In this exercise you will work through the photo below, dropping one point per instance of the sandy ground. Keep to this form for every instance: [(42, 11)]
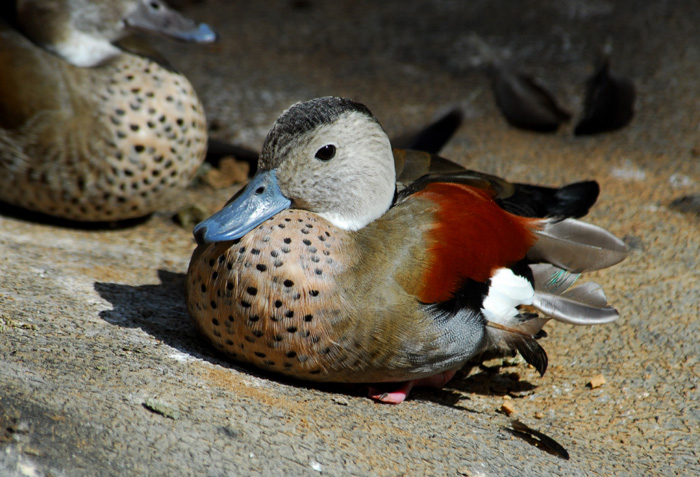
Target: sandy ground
[(101, 372)]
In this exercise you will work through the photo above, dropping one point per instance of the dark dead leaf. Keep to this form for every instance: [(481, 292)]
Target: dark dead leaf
[(524, 102), (609, 102), (538, 439), (688, 204), (433, 137)]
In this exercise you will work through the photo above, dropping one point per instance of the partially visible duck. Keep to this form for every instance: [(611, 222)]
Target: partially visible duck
[(89, 131), (343, 261)]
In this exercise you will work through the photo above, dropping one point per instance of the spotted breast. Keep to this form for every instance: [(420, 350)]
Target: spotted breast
[(266, 295)]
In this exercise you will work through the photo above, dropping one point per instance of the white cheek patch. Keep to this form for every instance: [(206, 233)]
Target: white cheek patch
[(83, 50), (506, 293), (344, 222)]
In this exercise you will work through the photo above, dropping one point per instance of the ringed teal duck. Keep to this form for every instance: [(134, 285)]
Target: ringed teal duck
[(342, 261), (88, 131)]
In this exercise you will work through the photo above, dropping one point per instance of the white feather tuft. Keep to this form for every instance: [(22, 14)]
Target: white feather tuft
[(506, 293)]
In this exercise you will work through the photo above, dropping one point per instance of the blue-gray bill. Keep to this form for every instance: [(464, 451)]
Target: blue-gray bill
[(156, 17), (260, 200)]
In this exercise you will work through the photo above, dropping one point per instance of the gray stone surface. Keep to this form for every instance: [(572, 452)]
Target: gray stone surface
[(101, 372)]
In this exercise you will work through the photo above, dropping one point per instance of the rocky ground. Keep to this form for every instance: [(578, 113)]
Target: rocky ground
[(101, 372)]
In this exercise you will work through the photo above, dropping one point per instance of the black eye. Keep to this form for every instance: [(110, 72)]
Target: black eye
[(326, 153)]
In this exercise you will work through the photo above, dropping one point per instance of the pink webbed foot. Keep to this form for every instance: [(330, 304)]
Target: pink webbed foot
[(399, 394)]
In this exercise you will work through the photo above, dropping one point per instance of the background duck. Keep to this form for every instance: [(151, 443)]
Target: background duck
[(89, 131), (384, 267)]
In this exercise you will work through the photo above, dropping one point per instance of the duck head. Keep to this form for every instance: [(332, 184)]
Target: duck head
[(83, 32), (329, 156)]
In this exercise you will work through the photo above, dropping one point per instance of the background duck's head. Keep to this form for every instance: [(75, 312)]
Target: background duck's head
[(83, 32), (329, 156)]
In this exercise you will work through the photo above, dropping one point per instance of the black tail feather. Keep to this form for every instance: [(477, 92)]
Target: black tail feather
[(573, 200), (530, 350)]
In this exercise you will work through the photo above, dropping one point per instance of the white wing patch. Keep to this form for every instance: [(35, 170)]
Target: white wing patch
[(506, 293)]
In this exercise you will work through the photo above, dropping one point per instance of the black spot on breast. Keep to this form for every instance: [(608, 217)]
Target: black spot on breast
[(261, 267), (252, 291), (313, 292)]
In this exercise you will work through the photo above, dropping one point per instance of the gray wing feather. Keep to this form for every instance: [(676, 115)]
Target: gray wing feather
[(577, 246)]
